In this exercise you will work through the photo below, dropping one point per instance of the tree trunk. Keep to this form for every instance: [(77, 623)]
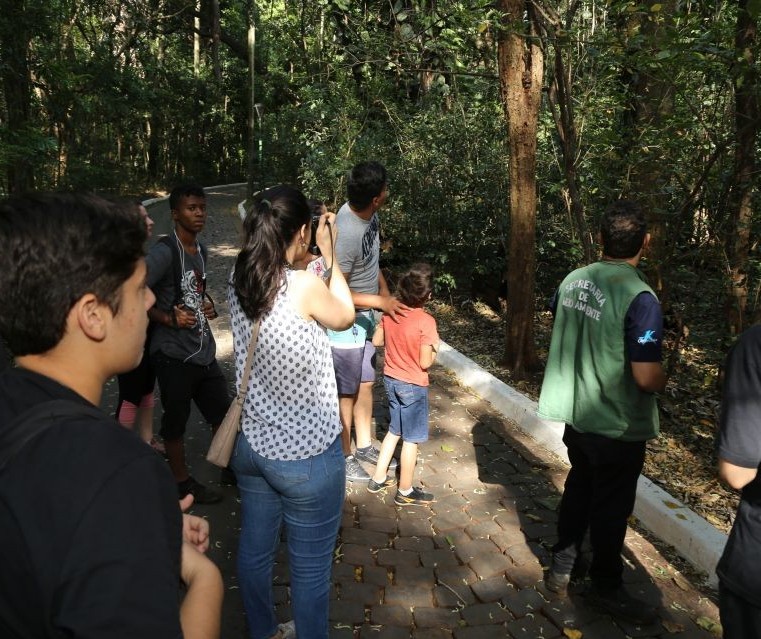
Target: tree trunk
[(652, 103), (747, 125), (521, 65), (17, 90)]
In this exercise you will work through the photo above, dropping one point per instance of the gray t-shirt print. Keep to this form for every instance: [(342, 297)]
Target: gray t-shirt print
[(358, 250)]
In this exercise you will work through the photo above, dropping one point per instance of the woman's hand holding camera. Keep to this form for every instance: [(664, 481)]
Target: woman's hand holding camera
[(326, 237)]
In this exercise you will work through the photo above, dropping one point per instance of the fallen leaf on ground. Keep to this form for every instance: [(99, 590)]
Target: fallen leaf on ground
[(572, 633)]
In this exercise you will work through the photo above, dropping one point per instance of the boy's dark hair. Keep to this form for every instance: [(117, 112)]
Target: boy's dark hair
[(365, 182), (415, 285), (58, 247), (623, 229), (184, 190)]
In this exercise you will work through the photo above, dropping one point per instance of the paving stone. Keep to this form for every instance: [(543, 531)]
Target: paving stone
[(368, 594), (449, 502), (503, 540), (451, 595), (492, 589), (378, 575), (570, 612), (539, 530), (521, 554), (415, 526), (338, 631), (450, 539), (368, 631), (437, 481), (408, 596), (602, 629), (508, 519), (391, 557), (376, 508), (455, 574), (344, 572), (416, 544), (391, 615), (533, 626), (496, 631), (432, 633), (483, 529), (526, 576), (489, 565), (436, 617), (414, 576), (439, 557), (348, 612), (469, 550), (379, 524), (357, 555), (484, 614), (454, 520), (524, 602), (368, 538)]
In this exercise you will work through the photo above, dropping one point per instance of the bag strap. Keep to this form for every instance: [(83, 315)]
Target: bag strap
[(241, 396), (38, 419)]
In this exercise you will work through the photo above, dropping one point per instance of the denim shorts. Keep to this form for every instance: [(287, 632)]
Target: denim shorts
[(408, 405)]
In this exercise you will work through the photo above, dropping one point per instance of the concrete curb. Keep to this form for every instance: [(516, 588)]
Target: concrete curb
[(693, 537)]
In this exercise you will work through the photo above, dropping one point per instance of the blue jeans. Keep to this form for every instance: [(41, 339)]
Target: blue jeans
[(308, 496)]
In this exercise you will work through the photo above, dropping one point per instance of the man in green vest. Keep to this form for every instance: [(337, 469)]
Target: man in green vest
[(603, 367)]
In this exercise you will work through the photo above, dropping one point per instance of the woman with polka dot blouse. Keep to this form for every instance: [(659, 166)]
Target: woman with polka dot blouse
[(288, 458)]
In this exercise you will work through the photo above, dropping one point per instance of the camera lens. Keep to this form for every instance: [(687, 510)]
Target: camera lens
[(313, 248)]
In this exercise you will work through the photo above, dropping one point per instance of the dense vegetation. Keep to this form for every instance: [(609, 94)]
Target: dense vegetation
[(656, 100)]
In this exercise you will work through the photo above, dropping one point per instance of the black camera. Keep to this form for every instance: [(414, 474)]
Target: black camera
[(313, 248)]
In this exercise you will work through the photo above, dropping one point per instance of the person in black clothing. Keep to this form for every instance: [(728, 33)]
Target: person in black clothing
[(92, 542), (739, 451)]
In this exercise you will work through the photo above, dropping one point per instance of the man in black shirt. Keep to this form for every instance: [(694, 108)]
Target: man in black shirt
[(739, 451), (92, 542)]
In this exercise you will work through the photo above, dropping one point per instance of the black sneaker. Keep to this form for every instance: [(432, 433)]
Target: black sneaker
[(620, 604), (201, 494), (370, 455), (227, 477), (374, 487), (355, 472), (416, 498)]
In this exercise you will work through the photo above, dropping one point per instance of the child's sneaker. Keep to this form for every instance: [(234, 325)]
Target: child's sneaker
[(374, 486), (416, 498)]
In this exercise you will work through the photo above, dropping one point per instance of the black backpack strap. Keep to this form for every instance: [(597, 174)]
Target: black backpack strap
[(37, 420)]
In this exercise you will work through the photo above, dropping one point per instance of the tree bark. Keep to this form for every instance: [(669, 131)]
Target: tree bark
[(521, 65), (17, 89), (747, 125)]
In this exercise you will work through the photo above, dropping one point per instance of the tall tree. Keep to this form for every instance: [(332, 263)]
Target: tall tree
[(747, 123), (521, 68)]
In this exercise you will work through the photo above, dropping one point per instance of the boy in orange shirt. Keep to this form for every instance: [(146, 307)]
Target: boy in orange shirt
[(411, 343)]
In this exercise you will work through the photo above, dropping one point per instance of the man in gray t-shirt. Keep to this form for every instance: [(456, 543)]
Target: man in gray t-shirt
[(358, 252), (182, 347)]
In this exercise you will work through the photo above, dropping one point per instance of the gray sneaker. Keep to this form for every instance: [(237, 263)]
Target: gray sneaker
[(355, 472), (370, 455)]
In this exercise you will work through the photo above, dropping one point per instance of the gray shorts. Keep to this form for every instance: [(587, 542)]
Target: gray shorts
[(353, 366)]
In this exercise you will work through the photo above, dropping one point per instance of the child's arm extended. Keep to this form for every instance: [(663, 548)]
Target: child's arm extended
[(427, 355), (429, 344)]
